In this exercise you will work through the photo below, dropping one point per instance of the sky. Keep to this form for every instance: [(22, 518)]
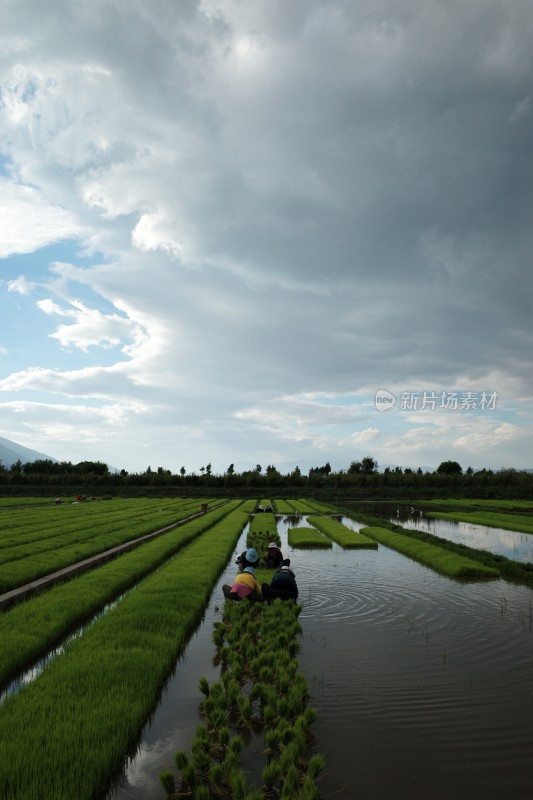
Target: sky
[(282, 232)]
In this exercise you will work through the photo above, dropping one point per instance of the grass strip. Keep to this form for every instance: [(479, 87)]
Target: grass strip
[(341, 534), (260, 687), (32, 628), (66, 734), (307, 537), (443, 561)]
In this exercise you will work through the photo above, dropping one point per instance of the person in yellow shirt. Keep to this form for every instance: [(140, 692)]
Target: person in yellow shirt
[(245, 586)]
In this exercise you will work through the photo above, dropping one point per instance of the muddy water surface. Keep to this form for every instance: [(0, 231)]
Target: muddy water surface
[(423, 685)]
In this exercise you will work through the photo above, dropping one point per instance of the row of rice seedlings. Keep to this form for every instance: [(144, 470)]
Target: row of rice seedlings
[(340, 534), (27, 562), (302, 506), (438, 558), (31, 629), (32, 524), (67, 528), (510, 522), (283, 507), (260, 687), (262, 531), (16, 502), (66, 734), (314, 506), (307, 537), (472, 503), (37, 524)]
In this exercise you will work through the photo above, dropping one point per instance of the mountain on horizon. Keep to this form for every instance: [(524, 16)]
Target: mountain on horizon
[(11, 452)]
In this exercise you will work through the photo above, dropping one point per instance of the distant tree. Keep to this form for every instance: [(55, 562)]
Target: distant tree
[(231, 469), (208, 469), (183, 472), (368, 465), (449, 468), (258, 469), (354, 468)]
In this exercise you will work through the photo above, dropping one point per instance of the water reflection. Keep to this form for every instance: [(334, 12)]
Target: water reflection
[(511, 544), (423, 685)]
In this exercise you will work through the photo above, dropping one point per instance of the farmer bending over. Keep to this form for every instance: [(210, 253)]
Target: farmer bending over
[(282, 585), (245, 585)]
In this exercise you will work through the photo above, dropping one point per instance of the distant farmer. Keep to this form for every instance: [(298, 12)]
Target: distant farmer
[(245, 586), (248, 558), (274, 558), (282, 585)]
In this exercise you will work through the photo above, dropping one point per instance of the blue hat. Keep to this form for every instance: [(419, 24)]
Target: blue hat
[(252, 555)]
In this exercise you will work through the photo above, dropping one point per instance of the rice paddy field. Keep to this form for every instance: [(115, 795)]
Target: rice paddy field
[(417, 673)]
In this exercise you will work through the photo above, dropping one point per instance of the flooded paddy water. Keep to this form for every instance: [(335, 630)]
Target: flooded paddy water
[(511, 544), (423, 684)]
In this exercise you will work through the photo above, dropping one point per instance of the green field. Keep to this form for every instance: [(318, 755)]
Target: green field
[(102, 688)]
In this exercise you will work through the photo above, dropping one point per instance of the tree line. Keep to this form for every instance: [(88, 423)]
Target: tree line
[(361, 479)]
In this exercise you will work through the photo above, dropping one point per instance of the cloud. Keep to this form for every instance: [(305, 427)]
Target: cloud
[(21, 285), (273, 203), (29, 221)]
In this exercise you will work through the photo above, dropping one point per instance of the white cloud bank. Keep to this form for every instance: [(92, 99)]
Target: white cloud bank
[(272, 201)]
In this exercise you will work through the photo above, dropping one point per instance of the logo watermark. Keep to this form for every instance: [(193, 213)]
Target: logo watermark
[(436, 401)]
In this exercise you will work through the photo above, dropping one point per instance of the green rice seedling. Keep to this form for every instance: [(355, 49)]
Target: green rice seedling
[(271, 774), (202, 792), (245, 710), (238, 784), (181, 760), (216, 776), (300, 740), (285, 732), (272, 739), (290, 782), (309, 790), (340, 534), (255, 794), (296, 701), (317, 764), (203, 685), (223, 735), (307, 538), (188, 775), (168, 781), (235, 745), (438, 558), (282, 707), (201, 764), (269, 714)]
